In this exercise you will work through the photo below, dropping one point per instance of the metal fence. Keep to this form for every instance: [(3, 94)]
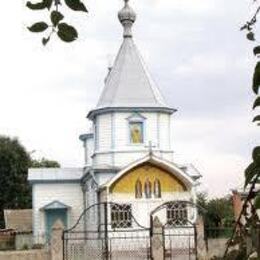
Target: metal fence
[(115, 234)]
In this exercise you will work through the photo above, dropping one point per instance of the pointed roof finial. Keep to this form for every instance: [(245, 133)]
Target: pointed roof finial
[(127, 17)]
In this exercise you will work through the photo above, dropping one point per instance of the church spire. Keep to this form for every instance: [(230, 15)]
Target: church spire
[(129, 84), (127, 17)]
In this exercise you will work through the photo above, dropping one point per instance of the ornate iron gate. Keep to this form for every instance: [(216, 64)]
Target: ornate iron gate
[(179, 233), (115, 234), (109, 237)]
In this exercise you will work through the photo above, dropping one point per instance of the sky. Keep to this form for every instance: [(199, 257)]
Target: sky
[(198, 57)]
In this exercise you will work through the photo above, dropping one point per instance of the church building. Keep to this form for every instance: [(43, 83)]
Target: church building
[(129, 158)]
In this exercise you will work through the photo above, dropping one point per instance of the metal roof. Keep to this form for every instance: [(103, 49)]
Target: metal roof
[(55, 174), (129, 83)]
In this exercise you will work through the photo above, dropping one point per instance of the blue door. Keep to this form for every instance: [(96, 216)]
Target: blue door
[(52, 215)]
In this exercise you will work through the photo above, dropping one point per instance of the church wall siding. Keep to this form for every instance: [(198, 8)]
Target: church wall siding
[(113, 138), (165, 132), (69, 194), (121, 137), (141, 206), (151, 128), (102, 178), (89, 149), (104, 132)]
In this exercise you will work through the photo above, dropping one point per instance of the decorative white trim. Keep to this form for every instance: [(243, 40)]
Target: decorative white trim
[(171, 167), (136, 118), (169, 131), (132, 151), (158, 130)]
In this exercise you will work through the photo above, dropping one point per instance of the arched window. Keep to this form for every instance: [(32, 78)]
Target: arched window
[(138, 189), (157, 189), (148, 189)]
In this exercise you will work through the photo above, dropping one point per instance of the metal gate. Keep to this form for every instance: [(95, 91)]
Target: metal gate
[(119, 236), (107, 238), (179, 233)]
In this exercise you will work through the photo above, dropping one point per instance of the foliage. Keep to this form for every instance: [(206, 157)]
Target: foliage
[(55, 25), (15, 191), (14, 163), (219, 211), (44, 163), (248, 227)]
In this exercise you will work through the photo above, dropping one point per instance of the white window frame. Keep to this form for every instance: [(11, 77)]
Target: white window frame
[(136, 118)]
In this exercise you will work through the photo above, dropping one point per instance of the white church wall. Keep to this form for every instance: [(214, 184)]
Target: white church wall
[(165, 129), (89, 149), (150, 131), (121, 131), (102, 178), (141, 208), (91, 199), (43, 194), (104, 132), (113, 143), (103, 158), (166, 155)]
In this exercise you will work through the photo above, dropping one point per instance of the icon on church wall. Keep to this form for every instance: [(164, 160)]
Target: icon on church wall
[(136, 132), (148, 189), (157, 189), (138, 189)]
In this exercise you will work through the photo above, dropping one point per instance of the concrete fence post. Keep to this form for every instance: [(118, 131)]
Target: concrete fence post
[(201, 242), (157, 240), (56, 245)]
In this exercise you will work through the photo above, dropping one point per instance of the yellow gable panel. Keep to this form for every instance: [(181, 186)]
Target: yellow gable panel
[(126, 184)]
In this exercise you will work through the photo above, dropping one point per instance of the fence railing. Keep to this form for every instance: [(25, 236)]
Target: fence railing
[(13, 240), (218, 232)]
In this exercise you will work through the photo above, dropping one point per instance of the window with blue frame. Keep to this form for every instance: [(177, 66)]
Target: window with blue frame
[(136, 132)]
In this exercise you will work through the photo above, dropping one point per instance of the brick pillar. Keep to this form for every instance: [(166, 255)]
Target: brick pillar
[(200, 239), (237, 204), (157, 240), (56, 246)]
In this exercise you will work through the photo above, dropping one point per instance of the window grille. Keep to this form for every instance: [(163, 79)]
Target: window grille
[(121, 216), (177, 214)]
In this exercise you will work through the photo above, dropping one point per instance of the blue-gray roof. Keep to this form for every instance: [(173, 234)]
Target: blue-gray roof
[(55, 174)]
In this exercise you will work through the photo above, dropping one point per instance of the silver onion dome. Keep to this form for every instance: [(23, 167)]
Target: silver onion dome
[(127, 17)]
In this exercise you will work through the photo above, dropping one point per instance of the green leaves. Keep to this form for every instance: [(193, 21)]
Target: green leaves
[(76, 5), (45, 40), (39, 6), (256, 119), (256, 103), (257, 202), (56, 17), (256, 78), (256, 50), (251, 171), (256, 155), (67, 33), (251, 36), (38, 27)]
